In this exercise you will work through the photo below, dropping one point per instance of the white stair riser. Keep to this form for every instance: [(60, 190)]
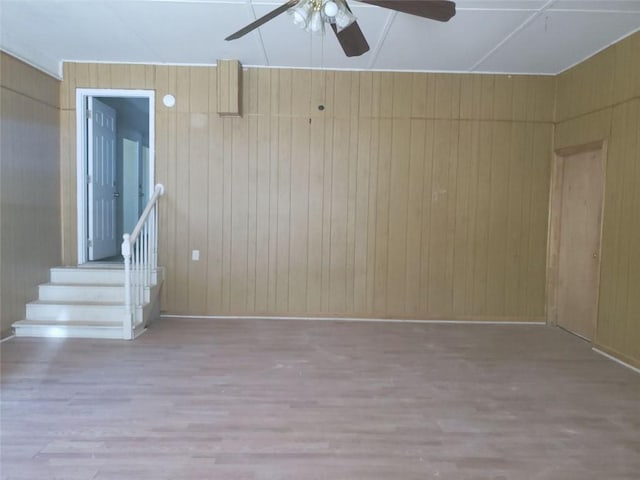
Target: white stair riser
[(67, 331), (83, 276), (85, 303), (88, 313), (81, 293)]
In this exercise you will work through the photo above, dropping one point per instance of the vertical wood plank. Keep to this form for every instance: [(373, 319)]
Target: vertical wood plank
[(273, 145), (496, 260), (316, 216), (472, 209), (239, 208), (263, 212), (338, 212), (514, 227), (215, 208), (252, 207), (415, 201), (464, 178), (227, 212), (398, 205), (182, 255), (198, 176), (372, 220), (382, 215), (299, 227), (427, 202), (283, 223), (539, 217), (361, 220), (483, 212), (352, 191)]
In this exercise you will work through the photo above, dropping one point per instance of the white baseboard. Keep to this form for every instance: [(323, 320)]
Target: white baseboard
[(617, 360), (350, 319), (7, 338)]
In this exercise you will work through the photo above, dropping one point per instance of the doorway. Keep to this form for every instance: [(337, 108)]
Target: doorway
[(577, 195), (115, 144)]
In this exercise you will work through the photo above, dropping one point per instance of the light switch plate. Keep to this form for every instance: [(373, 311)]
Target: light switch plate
[(195, 255)]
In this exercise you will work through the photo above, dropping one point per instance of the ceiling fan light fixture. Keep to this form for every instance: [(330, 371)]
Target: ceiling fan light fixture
[(330, 8), (312, 15), (344, 18), (301, 13), (316, 24)]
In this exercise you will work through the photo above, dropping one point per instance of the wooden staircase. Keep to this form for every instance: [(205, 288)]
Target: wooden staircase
[(85, 302)]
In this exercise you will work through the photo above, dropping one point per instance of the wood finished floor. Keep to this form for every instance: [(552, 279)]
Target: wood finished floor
[(256, 399)]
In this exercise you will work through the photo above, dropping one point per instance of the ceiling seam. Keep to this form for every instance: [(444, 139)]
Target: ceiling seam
[(383, 36), (595, 10), (517, 30)]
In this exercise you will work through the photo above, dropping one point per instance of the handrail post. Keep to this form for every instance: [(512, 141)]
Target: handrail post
[(140, 251), (126, 254)]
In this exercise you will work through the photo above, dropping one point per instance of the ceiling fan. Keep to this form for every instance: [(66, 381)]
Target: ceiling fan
[(312, 15)]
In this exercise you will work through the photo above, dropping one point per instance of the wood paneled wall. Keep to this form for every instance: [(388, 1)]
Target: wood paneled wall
[(600, 99), (29, 184), (408, 196)]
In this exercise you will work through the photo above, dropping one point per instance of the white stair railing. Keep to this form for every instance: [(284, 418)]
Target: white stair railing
[(140, 252)]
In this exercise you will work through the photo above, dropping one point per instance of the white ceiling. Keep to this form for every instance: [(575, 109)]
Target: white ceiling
[(507, 36)]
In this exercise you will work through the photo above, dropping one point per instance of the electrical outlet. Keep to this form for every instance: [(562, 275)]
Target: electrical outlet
[(195, 255)]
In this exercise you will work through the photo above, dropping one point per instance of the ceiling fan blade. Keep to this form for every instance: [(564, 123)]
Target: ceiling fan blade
[(351, 40), (433, 9), (262, 20)]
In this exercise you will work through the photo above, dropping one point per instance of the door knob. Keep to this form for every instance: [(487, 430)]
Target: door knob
[(116, 194), (595, 254)]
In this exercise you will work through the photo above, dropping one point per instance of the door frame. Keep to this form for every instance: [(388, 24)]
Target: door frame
[(554, 228), (81, 153)]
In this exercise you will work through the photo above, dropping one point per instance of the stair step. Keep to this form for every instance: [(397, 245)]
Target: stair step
[(75, 329), (59, 292), (89, 312), (93, 276), (85, 302)]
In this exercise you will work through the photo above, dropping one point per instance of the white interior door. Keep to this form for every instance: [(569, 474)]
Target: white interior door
[(131, 181), (144, 184), (102, 179)]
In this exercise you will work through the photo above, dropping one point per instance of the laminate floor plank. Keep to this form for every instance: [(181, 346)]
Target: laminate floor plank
[(275, 400)]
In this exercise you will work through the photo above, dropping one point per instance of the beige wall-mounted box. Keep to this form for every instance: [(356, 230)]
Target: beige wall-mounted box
[(229, 88)]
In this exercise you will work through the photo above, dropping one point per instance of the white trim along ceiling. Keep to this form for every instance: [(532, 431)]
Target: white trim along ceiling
[(497, 36)]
